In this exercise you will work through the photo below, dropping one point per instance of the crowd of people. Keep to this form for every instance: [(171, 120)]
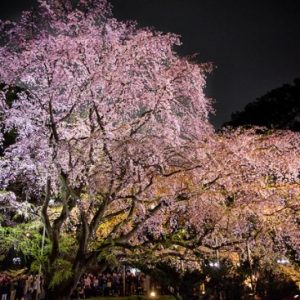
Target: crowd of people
[(30, 287), (22, 287), (110, 284)]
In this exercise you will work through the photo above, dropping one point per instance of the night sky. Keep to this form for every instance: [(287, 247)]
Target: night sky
[(255, 45)]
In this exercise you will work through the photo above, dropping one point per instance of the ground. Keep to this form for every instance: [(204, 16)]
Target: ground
[(133, 298)]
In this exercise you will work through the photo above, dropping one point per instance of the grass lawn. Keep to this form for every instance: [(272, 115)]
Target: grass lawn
[(132, 298)]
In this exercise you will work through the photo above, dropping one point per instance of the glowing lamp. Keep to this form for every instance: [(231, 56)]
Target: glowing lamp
[(152, 294), (214, 264)]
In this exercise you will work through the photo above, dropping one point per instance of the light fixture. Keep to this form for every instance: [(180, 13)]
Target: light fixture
[(283, 261), (16, 260), (152, 294), (214, 264), (134, 271)]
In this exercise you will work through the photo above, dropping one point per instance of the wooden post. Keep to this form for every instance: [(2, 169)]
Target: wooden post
[(124, 280)]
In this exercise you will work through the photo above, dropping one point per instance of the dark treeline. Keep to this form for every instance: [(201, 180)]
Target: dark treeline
[(277, 109)]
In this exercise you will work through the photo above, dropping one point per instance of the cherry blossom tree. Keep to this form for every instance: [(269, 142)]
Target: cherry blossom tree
[(106, 112), (115, 150), (241, 206), (265, 182), (258, 184), (244, 173)]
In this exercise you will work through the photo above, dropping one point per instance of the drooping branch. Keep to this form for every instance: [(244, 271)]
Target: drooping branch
[(45, 206)]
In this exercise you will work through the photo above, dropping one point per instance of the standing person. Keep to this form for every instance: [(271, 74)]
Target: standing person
[(95, 286), (114, 284), (100, 278), (34, 288), (13, 288), (87, 285), (37, 287), (5, 288), (26, 287), (42, 289), (104, 282), (80, 291), (128, 283), (100, 293), (119, 284), (109, 285), (1, 285), (140, 283), (30, 293), (131, 282), (20, 288)]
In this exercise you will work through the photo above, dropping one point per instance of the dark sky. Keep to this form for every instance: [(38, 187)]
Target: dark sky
[(255, 44)]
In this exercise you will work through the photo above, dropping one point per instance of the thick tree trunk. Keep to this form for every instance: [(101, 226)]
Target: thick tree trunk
[(64, 290)]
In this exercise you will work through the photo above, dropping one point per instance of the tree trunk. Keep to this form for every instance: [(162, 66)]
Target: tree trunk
[(64, 290)]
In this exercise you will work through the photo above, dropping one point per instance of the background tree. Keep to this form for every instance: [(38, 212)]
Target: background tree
[(278, 109), (107, 112)]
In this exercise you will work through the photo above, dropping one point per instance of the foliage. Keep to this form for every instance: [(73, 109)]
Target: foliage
[(15, 273), (63, 271), (26, 240), (23, 237)]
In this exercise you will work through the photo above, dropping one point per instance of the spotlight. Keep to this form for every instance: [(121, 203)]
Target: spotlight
[(152, 294), (214, 264)]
